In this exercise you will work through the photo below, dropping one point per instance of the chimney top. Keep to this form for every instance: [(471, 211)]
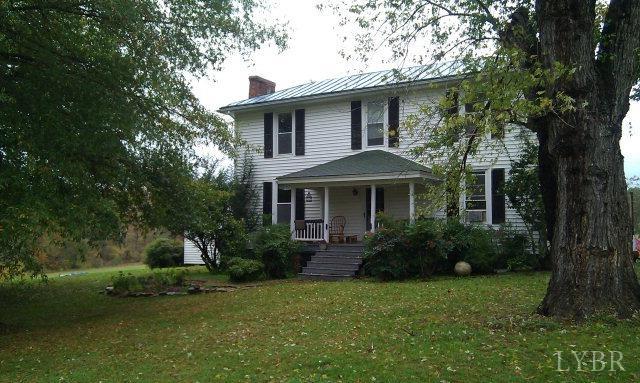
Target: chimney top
[(259, 86)]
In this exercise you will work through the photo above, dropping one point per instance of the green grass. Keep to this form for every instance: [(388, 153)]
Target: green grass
[(456, 330)]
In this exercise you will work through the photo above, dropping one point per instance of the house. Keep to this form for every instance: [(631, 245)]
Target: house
[(333, 148)]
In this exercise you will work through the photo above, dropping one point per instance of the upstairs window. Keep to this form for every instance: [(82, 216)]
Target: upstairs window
[(470, 128), (284, 133), (375, 123), (476, 198)]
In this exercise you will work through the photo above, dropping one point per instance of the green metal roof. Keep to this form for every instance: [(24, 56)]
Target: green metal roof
[(392, 77), (367, 162)]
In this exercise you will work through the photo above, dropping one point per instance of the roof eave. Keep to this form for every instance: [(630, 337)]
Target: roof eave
[(229, 110), (358, 178)]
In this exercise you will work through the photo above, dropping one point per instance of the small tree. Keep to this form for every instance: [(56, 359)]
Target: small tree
[(523, 190), (202, 213)]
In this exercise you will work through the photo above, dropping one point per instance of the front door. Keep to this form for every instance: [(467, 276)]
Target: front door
[(379, 205)]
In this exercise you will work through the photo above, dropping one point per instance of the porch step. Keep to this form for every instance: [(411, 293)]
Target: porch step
[(325, 277), (338, 262)]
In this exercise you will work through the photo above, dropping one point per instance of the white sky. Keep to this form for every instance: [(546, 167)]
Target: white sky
[(313, 54)]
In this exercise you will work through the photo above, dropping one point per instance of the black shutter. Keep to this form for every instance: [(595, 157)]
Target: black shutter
[(452, 95), (394, 121), (299, 203), (267, 198), (356, 125), (268, 135), (299, 132), (497, 196)]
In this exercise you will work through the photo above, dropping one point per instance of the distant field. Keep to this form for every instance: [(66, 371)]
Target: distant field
[(479, 329)]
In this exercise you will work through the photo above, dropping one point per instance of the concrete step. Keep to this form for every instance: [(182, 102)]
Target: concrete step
[(324, 277), (333, 253), (340, 249), (333, 266), (337, 260), (325, 271)]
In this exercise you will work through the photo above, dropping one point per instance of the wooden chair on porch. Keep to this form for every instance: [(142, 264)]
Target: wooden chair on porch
[(336, 229)]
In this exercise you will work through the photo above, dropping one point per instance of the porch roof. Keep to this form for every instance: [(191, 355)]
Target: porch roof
[(364, 165)]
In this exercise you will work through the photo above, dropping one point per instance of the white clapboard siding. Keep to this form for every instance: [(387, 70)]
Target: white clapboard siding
[(191, 254), (328, 137)]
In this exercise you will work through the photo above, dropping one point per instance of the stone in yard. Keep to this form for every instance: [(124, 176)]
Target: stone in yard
[(109, 290), (194, 289), (462, 269)]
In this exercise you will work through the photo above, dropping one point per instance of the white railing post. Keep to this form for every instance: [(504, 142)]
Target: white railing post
[(326, 215), (274, 202), (373, 208), (293, 213), (412, 202)]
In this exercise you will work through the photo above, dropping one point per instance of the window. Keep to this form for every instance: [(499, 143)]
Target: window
[(476, 198), (470, 128), (451, 96), (284, 205), (284, 133), (375, 123)]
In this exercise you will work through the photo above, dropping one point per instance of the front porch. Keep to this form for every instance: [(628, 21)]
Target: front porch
[(342, 197)]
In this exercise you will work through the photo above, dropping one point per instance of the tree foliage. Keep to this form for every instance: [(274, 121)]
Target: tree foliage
[(97, 118), (522, 188)]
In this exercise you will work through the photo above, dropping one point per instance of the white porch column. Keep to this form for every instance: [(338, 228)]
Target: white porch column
[(373, 208), (326, 214), (293, 213), (412, 202), (274, 203)]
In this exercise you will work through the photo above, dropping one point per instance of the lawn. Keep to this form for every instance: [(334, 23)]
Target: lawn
[(477, 329)]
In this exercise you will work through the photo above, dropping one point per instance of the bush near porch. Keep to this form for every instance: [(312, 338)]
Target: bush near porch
[(400, 250)]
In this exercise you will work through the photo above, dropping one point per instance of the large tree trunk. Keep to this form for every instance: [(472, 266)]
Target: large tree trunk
[(592, 266)]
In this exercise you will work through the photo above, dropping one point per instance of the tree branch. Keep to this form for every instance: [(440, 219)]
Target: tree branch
[(618, 60)]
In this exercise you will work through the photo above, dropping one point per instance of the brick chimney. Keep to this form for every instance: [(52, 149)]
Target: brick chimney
[(259, 86)]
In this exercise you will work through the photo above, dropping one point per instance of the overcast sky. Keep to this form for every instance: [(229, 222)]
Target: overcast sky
[(313, 54)]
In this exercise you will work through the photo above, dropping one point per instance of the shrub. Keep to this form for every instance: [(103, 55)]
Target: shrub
[(480, 250), (276, 249), (515, 252), (163, 252), (399, 250), (245, 270), (125, 283)]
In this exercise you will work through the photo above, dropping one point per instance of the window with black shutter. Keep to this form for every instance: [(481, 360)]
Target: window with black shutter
[(497, 196), (394, 122), (268, 135), (299, 132), (300, 203), (267, 198), (356, 125)]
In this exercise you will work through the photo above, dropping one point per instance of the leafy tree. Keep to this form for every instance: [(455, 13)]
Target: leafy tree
[(244, 195), (562, 69), (523, 190), (202, 212), (97, 118)]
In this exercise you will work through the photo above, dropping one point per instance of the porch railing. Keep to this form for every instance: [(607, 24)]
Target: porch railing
[(313, 231)]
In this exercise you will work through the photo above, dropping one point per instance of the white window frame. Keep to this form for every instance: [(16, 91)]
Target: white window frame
[(365, 125), (487, 198), (278, 204), (276, 131)]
